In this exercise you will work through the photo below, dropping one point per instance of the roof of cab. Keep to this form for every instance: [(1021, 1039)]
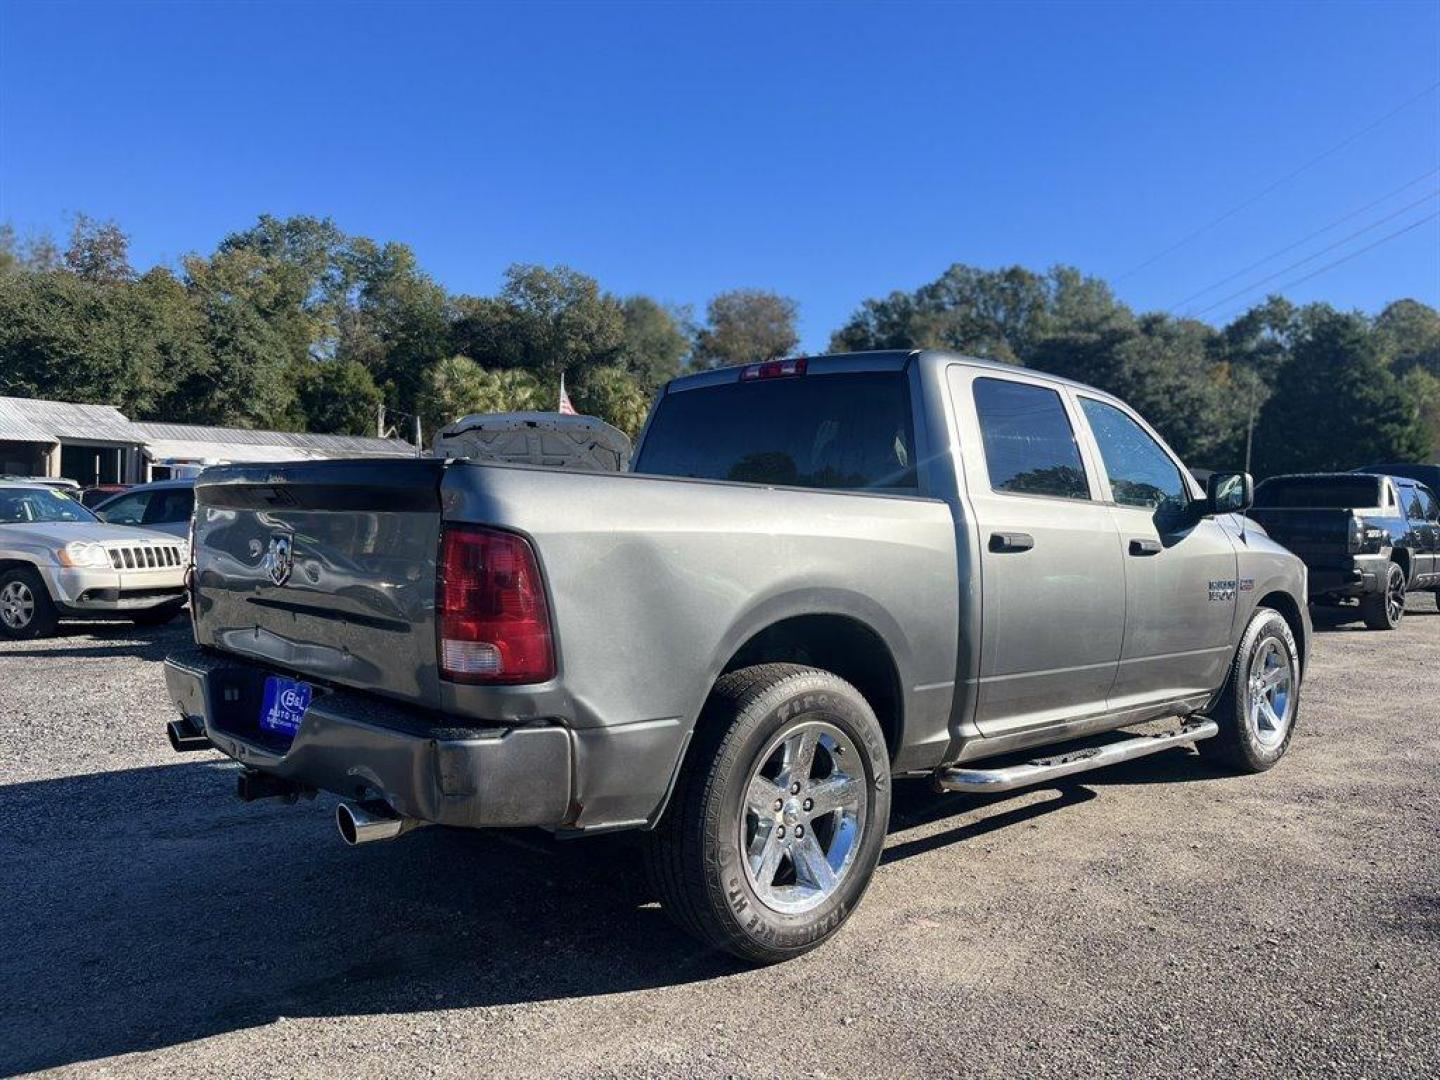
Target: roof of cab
[(877, 360)]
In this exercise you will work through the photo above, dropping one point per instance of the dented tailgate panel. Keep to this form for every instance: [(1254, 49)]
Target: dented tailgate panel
[(324, 569)]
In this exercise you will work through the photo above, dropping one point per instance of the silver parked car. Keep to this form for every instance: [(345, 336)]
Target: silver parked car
[(164, 506), (58, 560)]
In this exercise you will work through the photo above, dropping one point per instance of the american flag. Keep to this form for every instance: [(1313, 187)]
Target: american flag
[(567, 407)]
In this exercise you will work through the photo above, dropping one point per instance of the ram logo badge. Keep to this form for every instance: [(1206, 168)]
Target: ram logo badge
[(280, 558)]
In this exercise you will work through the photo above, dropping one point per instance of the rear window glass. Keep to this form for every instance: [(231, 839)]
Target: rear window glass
[(1343, 492), (850, 431)]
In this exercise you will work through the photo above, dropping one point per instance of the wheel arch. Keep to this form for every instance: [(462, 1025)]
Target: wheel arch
[(1290, 611), (842, 645), (1402, 556), (846, 644)]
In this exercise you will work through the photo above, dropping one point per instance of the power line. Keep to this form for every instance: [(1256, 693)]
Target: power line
[(1228, 214), (1316, 254), (1175, 308), (1360, 251)]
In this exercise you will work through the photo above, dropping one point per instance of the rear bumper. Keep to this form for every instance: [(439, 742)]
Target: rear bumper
[(1365, 575), (360, 747)]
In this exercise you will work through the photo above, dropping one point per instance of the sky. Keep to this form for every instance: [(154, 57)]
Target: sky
[(832, 152)]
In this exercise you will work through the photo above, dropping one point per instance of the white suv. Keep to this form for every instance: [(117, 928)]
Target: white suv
[(57, 560)]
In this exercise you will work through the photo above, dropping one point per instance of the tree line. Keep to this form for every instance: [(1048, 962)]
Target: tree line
[(293, 324)]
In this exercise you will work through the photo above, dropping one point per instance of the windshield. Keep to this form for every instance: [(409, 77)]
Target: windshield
[(19, 506), (1341, 492), (849, 431)]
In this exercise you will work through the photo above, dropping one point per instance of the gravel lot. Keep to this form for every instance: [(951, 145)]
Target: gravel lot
[(1157, 919)]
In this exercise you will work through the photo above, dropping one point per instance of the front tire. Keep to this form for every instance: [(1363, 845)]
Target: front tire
[(1258, 708), (1384, 610), (778, 819), (26, 610)]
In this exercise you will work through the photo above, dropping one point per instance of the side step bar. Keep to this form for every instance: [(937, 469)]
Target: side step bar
[(1043, 770)]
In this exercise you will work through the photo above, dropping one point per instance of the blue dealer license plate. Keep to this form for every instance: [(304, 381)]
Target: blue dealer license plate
[(284, 707)]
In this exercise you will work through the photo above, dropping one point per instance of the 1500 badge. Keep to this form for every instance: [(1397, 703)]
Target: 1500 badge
[(1222, 590)]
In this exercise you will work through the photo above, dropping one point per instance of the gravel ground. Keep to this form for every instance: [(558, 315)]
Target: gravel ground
[(1157, 919)]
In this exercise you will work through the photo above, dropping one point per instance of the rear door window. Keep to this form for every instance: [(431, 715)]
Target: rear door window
[(850, 430), (128, 509), (1030, 446), (1141, 473), (1410, 499), (168, 506), (1430, 504)]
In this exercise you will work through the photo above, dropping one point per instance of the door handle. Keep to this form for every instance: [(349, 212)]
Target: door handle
[(1014, 541), (1143, 545)]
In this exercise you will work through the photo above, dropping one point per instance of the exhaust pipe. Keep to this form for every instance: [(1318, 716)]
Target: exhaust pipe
[(185, 736), (371, 820)]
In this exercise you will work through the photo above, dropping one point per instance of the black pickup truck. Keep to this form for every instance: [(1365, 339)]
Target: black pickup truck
[(1365, 538)]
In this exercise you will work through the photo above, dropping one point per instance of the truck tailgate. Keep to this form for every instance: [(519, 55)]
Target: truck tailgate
[(324, 569), (1319, 535)]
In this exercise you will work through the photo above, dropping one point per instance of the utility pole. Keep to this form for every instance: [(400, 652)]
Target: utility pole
[(380, 420), (419, 446), (1250, 429)]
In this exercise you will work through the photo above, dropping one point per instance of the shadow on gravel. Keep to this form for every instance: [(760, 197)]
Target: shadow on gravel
[(926, 807), (916, 803), (147, 908), (106, 639), (1347, 620)]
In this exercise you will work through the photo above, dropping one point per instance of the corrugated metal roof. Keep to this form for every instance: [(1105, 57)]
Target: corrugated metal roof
[(37, 420), (196, 441), (40, 421)]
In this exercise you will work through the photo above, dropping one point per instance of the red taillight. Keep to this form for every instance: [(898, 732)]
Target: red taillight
[(494, 624), (773, 369)]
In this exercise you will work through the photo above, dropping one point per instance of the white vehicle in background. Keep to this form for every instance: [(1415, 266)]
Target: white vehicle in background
[(59, 483), (558, 440), (165, 506), (57, 560)]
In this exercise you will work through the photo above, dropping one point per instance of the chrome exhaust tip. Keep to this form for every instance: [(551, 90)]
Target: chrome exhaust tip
[(186, 736), (371, 820)]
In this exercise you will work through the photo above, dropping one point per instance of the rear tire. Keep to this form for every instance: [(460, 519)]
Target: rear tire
[(779, 814), (1385, 609), (26, 610), (1260, 704)]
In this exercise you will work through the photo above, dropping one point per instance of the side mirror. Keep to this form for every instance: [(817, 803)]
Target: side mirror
[(1229, 493)]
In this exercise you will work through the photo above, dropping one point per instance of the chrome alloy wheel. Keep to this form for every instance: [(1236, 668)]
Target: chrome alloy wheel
[(17, 605), (1395, 593), (1270, 707), (803, 817)]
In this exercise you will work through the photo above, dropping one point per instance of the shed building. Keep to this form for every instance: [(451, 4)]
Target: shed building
[(97, 444)]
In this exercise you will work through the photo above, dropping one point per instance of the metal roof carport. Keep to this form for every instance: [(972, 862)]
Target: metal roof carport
[(87, 443), (195, 444)]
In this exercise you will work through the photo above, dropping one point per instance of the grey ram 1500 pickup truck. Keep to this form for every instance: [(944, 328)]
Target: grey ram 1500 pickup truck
[(819, 574)]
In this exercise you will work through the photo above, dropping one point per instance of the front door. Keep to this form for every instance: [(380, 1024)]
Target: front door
[(1180, 571), (1052, 581)]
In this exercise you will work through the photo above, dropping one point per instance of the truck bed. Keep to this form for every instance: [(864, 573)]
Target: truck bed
[(653, 584)]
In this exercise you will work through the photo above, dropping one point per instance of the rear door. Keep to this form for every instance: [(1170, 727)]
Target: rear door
[(1431, 508), (1422, 545), (170, 510), (1180, 573), (1052, 581)]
